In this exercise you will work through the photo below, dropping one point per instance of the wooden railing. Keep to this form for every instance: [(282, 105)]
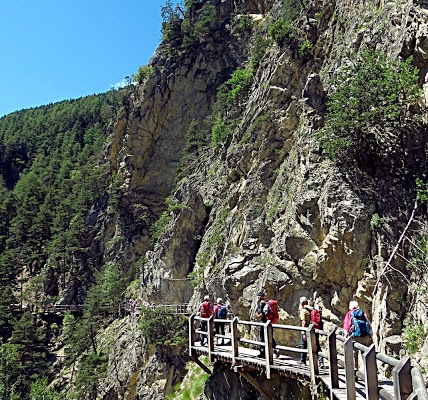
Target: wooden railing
[(338, 376), (62, 308), (170, 308), (121, 307)]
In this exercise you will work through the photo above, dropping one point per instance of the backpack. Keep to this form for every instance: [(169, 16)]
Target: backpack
[(221, 312), (272, 314), (205, 309), (316, 318), (359, 324)]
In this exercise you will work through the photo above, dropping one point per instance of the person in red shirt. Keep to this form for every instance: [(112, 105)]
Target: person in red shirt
[(205, 311)]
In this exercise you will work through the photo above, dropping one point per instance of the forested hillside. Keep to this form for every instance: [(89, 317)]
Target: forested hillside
[(50, 177)]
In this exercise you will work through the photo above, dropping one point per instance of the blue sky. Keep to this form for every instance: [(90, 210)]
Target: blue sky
[(53, 50)]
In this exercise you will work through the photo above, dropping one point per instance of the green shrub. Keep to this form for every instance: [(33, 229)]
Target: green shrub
[(199, 28), (232, 95), (306, 49), (161, 327), (376, 221), (197, 137), (364, 111), (414, 336), (159, 226), (292, 9), (422, 190), (220, 132), (259, 51), (279, 31), (143, 73), (245, 23), (240, 84)]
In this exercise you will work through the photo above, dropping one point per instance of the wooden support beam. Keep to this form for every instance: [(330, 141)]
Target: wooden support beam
[(332, 360), (256, 384), (370, 372), (348, 349), (234, 339), (210, 329), (402, 379), (201, 364), (191, 334), (268, 336), (312, 355)]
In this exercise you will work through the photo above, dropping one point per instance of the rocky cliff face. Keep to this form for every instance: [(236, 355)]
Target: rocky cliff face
[(268, 209)]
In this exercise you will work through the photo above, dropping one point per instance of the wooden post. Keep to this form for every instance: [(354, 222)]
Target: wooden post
[(234, 339), (370, 372), (191, 335), (210, 331), (401, 376), (268, 347), (348, 349), (312, 354), (332, 359)]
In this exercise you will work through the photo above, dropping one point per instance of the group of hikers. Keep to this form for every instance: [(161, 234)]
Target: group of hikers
[(129, 305), (356, 322)]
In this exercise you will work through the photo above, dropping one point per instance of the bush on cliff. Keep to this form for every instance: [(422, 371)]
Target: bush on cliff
[(370, 100), (164, 328)]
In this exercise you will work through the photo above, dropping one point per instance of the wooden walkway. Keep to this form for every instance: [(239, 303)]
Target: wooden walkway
[(339, 377), (120, 308)]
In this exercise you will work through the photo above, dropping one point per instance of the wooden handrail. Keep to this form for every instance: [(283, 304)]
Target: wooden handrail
[(408, 382)]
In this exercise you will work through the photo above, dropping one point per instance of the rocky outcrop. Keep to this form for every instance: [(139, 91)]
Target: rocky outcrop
[(269, 210), (164, 279)]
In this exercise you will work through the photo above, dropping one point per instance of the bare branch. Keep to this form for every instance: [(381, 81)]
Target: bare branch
[(388, 264)]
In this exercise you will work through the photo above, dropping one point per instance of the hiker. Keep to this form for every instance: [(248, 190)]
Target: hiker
[(220, 312), (263, 314), (356, 324), (205, 311), (305, 320)]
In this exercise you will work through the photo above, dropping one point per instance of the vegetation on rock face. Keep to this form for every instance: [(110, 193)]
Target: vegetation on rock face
[(160, 225), (184, 26), (164, 328), (143, 73), (279, 30), (193, 385), (370, 99), (292, 9), (231, 97)]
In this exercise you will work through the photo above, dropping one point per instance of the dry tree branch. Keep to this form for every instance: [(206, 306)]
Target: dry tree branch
[(410, 262), (388, 264)]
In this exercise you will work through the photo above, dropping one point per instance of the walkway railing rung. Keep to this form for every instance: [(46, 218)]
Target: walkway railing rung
[(249, 341), (293, 349)]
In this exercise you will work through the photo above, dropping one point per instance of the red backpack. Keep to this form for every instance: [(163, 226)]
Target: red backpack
[(316, 318), (205, 309), (272, 310)]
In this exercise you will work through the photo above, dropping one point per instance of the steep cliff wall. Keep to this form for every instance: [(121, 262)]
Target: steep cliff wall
[(268, 209)]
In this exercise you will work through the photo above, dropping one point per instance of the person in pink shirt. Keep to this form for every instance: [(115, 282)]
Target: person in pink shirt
[(363, 335)]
